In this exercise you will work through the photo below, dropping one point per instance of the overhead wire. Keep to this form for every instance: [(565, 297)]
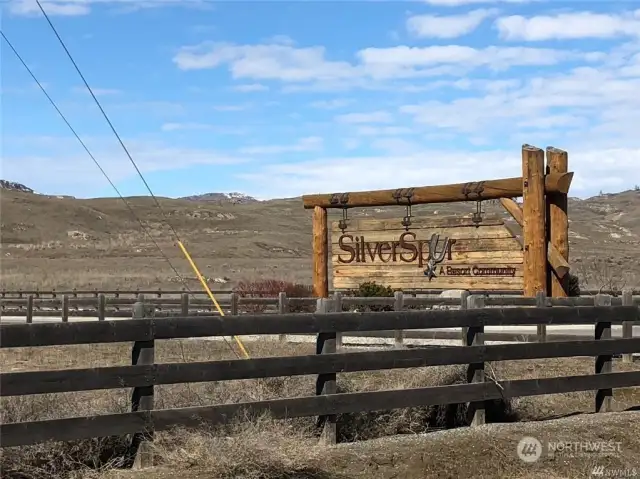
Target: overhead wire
[(126, 150), (127, 204)]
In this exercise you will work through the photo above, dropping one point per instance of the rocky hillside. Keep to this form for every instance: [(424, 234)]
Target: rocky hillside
[(13, 186)]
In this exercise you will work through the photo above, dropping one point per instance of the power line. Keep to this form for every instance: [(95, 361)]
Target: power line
[(129, 207), (107, 118), (180, 243)]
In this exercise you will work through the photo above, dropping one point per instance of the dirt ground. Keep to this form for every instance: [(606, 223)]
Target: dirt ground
[(392, 443)]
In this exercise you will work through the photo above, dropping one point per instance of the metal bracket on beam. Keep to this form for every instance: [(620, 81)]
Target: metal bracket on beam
[(339, 199), (476, 188), (403, 193)]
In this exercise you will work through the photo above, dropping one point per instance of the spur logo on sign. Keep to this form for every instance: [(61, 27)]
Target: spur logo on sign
[(405, 250)]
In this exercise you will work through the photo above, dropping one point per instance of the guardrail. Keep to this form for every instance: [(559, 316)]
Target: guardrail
[(144, 374)]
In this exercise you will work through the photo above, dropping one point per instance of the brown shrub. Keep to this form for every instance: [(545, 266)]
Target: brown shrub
[(269, 288)]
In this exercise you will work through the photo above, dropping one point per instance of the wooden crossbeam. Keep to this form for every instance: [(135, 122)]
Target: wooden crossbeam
[(485, 190)]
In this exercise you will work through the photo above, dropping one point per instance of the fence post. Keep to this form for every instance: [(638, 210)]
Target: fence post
[(398, 305), (30, 308), (475, 371), (541, 302), (184, 304), (604, 397), (464, 298), (143, 353), (102, 304), (627, 326), (65, 308), (326, 383), (234, 304), (283, 308), (337, 307)]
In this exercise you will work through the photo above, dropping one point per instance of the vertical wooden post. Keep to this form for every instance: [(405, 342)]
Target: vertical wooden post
[(283, 308), (326, 383), (475, 371), (320, 253), (143, 353), (30, 308), (604, 397), (234, 304), (533, 227), (398, 306), (65, 308), (541, 302), (102, 304), (627, 326), (337, 307), (557, 222), (464, 299), (184, 304)]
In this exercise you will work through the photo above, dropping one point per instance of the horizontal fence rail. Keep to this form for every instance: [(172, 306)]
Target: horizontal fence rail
[(328, 323)]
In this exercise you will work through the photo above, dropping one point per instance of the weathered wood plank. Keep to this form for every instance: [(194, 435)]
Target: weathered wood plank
[(417, 223), (49, 334), (462, 233), (512, 284), (114, 377), (558, 227), (533, 228), (464, 268), (320, 253), (17, 434)]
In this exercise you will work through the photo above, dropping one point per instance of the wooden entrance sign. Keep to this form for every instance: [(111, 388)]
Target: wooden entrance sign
[(543, 259), (437, 253)]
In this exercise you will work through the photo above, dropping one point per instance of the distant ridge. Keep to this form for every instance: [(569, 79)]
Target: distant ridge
[(13, 186), (222, 198)]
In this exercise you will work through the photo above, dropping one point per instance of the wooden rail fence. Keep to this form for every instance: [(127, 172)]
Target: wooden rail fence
[(104, 307), (112, 304), (143, 374)]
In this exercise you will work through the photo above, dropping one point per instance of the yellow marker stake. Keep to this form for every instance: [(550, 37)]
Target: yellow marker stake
[(206, 287)]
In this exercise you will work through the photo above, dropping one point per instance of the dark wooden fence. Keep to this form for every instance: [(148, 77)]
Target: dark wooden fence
[(144, 374)]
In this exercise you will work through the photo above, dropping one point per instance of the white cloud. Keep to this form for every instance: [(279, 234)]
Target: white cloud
[(202, 127), (383, 130), (424, 166), (309, 64), (371, 117), (452, 26), (464, 56), (312, 143), (250, 87), (231, 107), (334, 104), (456, 3), (83, 7), (563, 26), (60, 163)]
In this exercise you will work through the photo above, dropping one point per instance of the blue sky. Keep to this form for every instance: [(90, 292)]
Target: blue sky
[(277, 99)]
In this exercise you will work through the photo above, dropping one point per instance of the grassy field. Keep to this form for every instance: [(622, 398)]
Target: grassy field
[(393, 446)]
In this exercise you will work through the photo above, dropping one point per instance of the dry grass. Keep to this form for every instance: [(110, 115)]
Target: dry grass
[(289, 445), (49, 243)]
